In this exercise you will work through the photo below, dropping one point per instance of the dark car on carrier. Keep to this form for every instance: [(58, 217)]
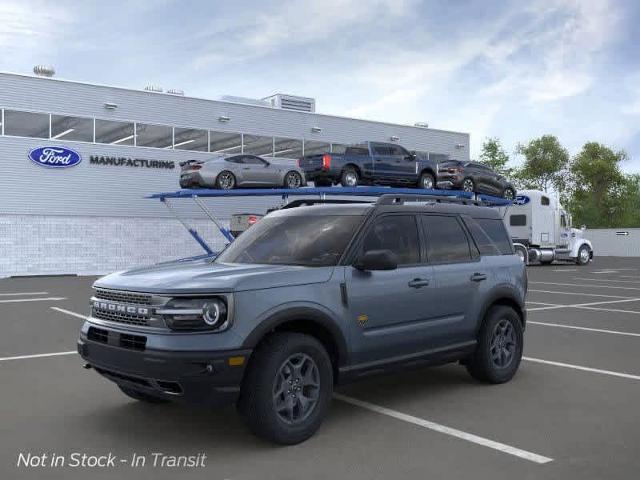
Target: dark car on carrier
[(474, 177), (371, 163)]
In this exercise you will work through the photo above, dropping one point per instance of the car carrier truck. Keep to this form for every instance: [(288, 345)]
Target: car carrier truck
[(541, 230)]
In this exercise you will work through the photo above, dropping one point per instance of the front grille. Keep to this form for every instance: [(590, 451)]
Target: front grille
[(133, 342), (122, 296), (121, 317)]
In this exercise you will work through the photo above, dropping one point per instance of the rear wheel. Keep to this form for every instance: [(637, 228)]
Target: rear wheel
[(499, 349), (141, 396), (287, 389), (468, 185), (350, 177), (427, 181), (509, 194), (584, 255), (293, 180), (225, 180)]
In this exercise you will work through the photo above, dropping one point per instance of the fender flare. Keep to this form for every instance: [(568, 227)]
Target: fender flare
[(503, 292), (578, 244), (300, 313)]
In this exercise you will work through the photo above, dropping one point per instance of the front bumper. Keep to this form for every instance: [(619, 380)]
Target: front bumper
[(207, 378)]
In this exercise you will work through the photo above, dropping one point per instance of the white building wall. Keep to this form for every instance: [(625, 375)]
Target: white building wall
[(615, 242)]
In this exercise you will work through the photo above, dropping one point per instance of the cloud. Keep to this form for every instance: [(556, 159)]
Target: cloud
[(29, 26)]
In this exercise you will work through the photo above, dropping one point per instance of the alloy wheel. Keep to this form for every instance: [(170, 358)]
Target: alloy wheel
[(296, 388), (226, 181), (293, 180), (467, 185), (427, 182), (503, 344), (351, 179), (508, 194)]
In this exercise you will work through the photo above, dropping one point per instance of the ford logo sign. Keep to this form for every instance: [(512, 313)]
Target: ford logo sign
[(521, 200), (55, 157)]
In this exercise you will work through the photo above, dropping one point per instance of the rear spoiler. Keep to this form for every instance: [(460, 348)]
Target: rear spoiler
[(189, 162)]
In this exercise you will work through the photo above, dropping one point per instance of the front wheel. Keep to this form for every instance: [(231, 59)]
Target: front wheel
[(584, 255), (427, 181), (499, 349), (287, 389), (468, 185)]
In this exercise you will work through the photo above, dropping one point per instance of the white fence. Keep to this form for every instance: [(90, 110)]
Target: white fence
[(615, 242)]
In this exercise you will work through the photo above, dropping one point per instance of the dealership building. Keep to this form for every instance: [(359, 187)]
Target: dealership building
[(89, 214)]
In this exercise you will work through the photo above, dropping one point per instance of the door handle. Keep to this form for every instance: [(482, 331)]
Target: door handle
[(478, 277), (419, 283), (247, 168)]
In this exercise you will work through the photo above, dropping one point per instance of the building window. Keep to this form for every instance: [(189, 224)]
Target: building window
[(71, 128), (338, 148), (26, 124), (287, 148), (190, 139), (312, 147), (225, 142), (114, 133), (257, 145), (157, 136)]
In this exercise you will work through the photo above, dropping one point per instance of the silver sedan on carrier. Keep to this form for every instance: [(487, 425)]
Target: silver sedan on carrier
[(227, 172)]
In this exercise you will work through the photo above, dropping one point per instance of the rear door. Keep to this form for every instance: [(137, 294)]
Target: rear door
[(403, 165), (458, 278)]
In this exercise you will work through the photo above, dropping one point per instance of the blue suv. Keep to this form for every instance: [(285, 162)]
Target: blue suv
[(311, 297)]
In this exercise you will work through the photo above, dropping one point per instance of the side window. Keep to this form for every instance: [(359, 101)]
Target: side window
[(397, 150), (484, 243), (446, 240), (251, 160), (381, 150), (518, 220), (494, 228), (544, 200), (563, 221), (237, 159), (398, 233)]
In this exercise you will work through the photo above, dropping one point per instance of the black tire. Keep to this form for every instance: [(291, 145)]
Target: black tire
[(468, 185), (546, 262), (427, 181), (509, 194), (349, 177), (484, 363), (322, 182), (257, 403), (584, 255), (292, 180), (141, 396), (222, 183)]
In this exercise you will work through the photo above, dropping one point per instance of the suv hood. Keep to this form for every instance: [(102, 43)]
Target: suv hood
[(203, 276)]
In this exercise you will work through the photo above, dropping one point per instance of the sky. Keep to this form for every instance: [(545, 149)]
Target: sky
[(508, 69)]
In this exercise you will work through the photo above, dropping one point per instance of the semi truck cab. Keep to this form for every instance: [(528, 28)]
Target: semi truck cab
[(541, 230)]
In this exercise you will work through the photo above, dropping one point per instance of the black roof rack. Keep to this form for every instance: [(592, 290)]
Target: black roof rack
[(400, 199), (305, 202)]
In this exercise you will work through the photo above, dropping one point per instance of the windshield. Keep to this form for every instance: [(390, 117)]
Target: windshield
[(314, 241)]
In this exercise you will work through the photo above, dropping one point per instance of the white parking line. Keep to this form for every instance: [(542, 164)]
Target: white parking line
[(577, 293), (617, 310), (586, 329), (585, 305), (580, 367), (565, 270), (69, 312), (19, 300), (608, 280), (39, 355), (485, 442), (583, 285), (15, 294), (529, 302)]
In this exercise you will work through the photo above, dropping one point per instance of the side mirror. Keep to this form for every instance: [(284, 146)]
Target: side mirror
[(377, 260)]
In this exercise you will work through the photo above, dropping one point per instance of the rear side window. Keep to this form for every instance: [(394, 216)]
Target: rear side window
[(518, 220), (493, 240), (398, 233), (446, 240), (544, 201), (357, 150)]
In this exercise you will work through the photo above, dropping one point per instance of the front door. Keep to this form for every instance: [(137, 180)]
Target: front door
[(388, 310), (255, 170)]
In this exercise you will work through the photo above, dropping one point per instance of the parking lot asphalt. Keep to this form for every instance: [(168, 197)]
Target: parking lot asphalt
[(571, 412)]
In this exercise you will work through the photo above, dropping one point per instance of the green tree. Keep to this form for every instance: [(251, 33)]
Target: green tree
[(545, 164), (601, 194), (494, 156)]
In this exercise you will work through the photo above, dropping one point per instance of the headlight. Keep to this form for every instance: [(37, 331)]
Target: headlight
[(196, 314)]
